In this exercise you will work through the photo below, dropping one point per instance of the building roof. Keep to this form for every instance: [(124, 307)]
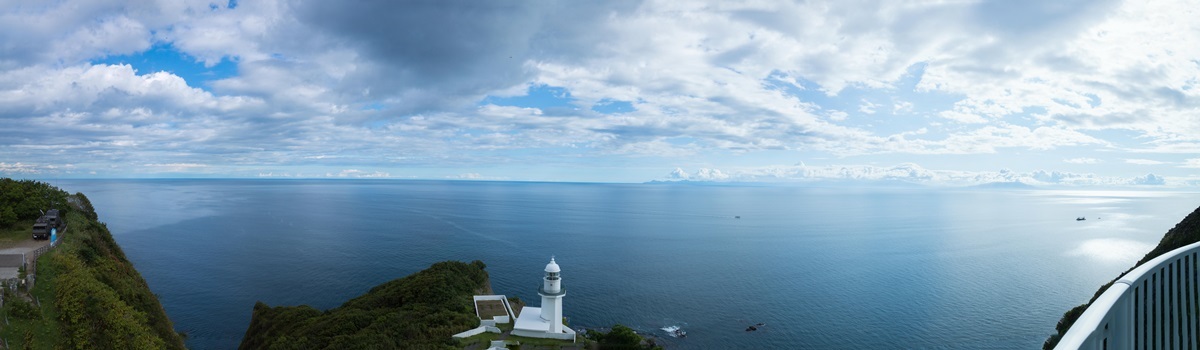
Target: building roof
[(530, 319), (552, 266)]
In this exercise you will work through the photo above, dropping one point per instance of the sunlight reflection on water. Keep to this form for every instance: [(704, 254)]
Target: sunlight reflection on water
[(1112, 250)]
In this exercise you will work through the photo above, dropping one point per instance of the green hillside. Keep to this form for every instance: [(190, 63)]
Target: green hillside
[(87, 295), (420, 311)]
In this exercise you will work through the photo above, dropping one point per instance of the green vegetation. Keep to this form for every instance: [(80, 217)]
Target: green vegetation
[(622, 338), (42, 331), (25, 200), (420, 311), (86, 295), (1184, 233), (22, 202)]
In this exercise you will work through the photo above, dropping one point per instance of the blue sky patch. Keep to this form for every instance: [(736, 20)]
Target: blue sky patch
[(538, 96), (164, 57), (610, 106)]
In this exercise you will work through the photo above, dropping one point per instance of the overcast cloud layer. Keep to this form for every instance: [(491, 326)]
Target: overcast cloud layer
[(1080, 93)]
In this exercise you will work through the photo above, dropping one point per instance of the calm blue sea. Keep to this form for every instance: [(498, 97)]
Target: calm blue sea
[(821, 267)]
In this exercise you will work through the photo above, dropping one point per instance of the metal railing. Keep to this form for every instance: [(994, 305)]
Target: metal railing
[(1154, 306)]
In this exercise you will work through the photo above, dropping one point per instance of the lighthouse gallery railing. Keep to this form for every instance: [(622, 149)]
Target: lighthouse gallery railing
[(1154, 306)]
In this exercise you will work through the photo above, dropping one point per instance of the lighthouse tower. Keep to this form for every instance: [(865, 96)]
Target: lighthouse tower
[(546, 321), (552, 294)]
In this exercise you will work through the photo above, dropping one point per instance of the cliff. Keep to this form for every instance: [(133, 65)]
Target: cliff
[(421, 310), (86, 294), (1184, 233)]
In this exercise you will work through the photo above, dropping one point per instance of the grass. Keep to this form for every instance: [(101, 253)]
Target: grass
[(506, 327), (44, 331), (554, 343), (486, 338), (22, 230)]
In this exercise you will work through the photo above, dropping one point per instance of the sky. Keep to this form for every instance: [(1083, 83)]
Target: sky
[(1074, 93)]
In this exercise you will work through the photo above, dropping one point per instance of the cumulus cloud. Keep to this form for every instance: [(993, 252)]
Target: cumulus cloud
[(678, 174), (706, 174), (1149, 179), (702, 174), (1082, 160)]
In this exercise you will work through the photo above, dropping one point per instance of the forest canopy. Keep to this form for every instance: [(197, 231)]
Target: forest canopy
[(422, 310)]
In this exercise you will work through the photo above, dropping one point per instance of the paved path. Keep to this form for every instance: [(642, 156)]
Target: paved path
[(22, 246), (12, 253)]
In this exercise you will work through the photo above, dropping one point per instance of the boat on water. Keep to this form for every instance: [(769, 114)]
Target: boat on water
[(1080, 218)]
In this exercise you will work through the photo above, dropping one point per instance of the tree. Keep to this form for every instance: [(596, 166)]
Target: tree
[(621, 337), (7, 216)]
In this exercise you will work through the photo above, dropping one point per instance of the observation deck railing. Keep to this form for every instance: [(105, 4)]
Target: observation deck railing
[(561, 290), (1154, 306)]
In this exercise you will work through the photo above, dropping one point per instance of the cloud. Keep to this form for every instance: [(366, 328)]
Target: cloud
[(18, 168), (1193, 163), (867, 107), (706, 174), (281, 174), (1143, 161), (465, 176), (913, 173), (392, 84), (65, 32), (1149, 179), (355, 173), (175, 167), (678, 174), (702, 174)]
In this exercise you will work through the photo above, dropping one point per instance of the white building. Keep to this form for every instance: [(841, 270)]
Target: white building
[(546, 321)]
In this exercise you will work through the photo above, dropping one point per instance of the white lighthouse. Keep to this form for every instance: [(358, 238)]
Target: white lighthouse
[(546, 321), (552, 294)]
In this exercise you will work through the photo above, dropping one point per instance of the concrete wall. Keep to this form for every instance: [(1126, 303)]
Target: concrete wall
[(496, 319), (477, 330), (568, 334)]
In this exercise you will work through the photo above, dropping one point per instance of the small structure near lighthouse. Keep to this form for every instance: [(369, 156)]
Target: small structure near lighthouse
[(546, 321)]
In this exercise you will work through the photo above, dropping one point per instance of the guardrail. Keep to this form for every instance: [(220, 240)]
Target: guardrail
[(1154, 306)]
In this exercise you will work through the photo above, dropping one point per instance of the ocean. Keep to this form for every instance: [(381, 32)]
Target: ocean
[(820, 267)]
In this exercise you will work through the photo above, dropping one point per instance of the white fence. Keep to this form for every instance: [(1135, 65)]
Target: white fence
[(1155, 306)]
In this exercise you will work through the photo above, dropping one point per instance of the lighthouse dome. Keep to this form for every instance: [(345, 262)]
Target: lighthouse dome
[(552, 266)]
